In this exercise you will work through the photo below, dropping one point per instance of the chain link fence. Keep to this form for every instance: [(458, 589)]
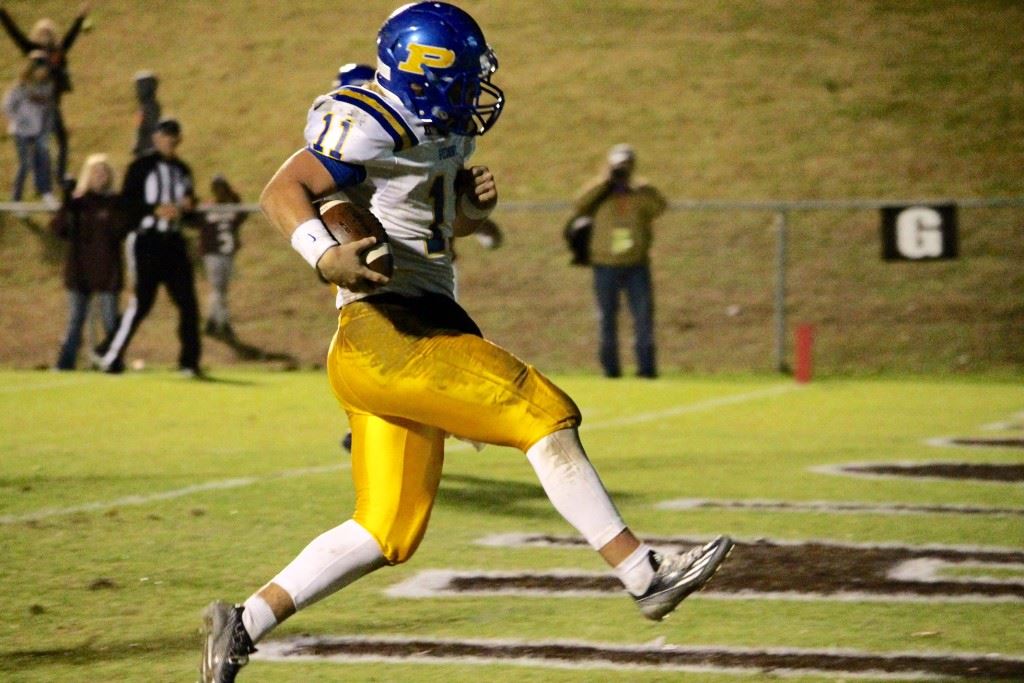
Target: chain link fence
[(733, 279)]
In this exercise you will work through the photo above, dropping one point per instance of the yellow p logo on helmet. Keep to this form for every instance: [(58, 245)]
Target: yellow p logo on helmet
[(426, 55)]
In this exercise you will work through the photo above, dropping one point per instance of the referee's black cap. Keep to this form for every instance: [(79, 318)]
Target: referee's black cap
[(169, 126)]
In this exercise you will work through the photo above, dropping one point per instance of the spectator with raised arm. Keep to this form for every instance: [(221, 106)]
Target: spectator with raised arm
[(147, 115), (44, 36)]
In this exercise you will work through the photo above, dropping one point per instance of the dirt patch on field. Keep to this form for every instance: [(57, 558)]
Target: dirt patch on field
[(596, 656)]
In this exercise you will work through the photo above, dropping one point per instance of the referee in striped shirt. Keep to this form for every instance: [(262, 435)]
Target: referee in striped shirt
[(158, 192)]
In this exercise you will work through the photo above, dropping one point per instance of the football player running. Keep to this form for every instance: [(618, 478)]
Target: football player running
[(407, 364)]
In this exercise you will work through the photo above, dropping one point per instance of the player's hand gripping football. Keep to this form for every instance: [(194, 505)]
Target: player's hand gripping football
[(478, 195), (343, 266), (477, 185)]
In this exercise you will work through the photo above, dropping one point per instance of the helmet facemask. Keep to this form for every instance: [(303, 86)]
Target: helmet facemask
[(466, 103)]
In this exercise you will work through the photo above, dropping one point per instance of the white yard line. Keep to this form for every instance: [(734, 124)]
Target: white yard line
[(216, 485), (685, 409), (640, 418)]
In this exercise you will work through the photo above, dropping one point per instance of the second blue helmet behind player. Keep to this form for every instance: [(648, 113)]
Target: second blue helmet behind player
[(353, 74)]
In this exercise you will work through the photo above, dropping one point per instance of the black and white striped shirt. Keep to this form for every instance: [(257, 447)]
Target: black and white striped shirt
[(152, 180)]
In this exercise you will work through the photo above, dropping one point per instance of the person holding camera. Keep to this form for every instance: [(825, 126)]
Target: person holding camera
[(621, 211)]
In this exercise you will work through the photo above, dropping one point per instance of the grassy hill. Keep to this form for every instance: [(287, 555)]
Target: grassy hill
[(725, 100)]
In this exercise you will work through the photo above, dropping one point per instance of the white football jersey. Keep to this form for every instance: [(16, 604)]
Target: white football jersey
[(409, 184)]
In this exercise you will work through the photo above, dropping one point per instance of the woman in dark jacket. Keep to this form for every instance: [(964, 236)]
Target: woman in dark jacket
[(43, 36), (94, 224)]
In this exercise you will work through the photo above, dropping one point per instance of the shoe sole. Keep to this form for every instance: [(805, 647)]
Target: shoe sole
[(213, 623), (703, 579)]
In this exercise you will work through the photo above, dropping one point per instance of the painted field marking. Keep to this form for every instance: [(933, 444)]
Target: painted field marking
[(863, 470), (455, 447), (516, 539), (833, 507), (451, 583), (967, 442), (931, 570), (1016, 421), (764, 569), (215, 485), (584, 655)]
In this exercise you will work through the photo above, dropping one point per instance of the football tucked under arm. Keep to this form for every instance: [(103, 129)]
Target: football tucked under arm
[(350, 222)]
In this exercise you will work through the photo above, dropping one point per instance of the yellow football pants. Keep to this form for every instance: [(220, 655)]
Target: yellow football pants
[(404, 390)]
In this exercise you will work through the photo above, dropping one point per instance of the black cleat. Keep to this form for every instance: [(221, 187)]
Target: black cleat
[(228, 645), (676, 576)]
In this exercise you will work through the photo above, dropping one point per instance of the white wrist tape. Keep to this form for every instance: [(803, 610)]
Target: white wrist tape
[(311, 239), (472, 211)]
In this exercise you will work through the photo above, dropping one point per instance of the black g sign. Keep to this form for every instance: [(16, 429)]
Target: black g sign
[(919, 233)]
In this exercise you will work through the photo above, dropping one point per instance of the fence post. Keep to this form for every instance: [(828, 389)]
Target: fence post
[(781, 229), (803, 353)]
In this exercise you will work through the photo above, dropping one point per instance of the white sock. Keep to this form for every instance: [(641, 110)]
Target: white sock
[(636, 571), (330, 562), (258, 618), (573, 487)]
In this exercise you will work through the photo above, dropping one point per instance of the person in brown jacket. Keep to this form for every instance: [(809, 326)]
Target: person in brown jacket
[(623, 211), (93, 223)]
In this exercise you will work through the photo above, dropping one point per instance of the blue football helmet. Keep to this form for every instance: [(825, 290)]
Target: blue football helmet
[(434, 58), (353, 74)]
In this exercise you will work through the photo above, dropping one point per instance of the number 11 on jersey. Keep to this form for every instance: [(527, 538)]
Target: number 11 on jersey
[(335, 135)]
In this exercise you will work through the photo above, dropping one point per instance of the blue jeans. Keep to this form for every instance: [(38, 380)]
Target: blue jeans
[(34, 154), (636, 282), (78, 304)]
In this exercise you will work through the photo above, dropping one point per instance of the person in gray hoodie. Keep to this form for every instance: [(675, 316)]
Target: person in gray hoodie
[(29, 106)]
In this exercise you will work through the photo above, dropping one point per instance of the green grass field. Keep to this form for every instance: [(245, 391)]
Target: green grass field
[(127, 503)]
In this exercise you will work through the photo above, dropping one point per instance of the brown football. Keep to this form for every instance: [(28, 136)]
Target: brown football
[(349, 222)]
